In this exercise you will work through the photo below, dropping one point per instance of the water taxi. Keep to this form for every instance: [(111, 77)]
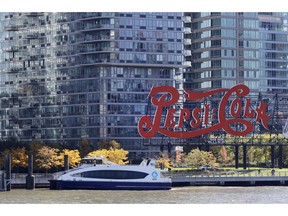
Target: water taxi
[(101, 174)]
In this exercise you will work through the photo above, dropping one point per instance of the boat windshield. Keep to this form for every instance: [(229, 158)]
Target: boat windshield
[(96, 161), (92, 161)]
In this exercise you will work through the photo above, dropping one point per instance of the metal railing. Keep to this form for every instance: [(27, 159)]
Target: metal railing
[(228, 174)]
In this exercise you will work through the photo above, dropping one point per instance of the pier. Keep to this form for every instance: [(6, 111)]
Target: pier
[(18, 180), (252, 178)]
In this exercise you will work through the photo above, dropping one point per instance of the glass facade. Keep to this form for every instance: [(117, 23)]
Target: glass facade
[(240, 47), (69, 76), (232, 48)]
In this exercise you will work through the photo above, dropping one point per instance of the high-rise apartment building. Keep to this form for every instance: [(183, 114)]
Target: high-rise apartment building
[(69, 76), (233, 48)]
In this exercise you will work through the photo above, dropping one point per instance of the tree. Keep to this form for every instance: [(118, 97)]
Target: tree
[(223, 155), (118, 156), (104, 144), (85, 147), (19, 158), (34, 149), (47, 157), (73, 157), (199, 158), (164, 161), (99, 153)]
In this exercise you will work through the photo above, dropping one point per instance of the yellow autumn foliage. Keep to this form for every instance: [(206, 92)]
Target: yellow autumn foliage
[(73, 157), (164, 161), (19, 157), (118, 156), (47, 157)]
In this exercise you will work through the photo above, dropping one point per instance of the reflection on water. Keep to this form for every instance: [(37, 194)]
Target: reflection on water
[(181, 195)]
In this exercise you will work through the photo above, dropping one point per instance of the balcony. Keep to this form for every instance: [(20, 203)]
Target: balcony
[(96, 50), (187, 63), (93, 15), (90, 61), (14, 70), (187, 53), (90, 38), (33, 58), (187, 41), (34, 14), (33, 36), (187, 30), (96, 26), (11, 28), (12, 49), (186, 19)]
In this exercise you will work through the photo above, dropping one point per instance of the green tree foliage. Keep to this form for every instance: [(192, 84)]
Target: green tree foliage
[(85, 147), (265, 138), (104, 144), (258, 154), (199, 158), (73, 157)]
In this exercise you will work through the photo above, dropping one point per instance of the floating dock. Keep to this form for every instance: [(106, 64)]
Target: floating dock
[(238, 179)]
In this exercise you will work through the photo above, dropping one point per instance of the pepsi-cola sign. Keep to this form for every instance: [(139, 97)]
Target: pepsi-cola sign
[(239, 111)]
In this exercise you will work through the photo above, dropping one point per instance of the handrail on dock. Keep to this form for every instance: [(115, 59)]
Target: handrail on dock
[(227, 174)]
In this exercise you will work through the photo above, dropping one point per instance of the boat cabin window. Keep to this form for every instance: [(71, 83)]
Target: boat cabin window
[(92, 161), (114, 174)]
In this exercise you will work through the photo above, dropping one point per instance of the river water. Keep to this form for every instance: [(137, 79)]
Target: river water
[(178, 195)]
